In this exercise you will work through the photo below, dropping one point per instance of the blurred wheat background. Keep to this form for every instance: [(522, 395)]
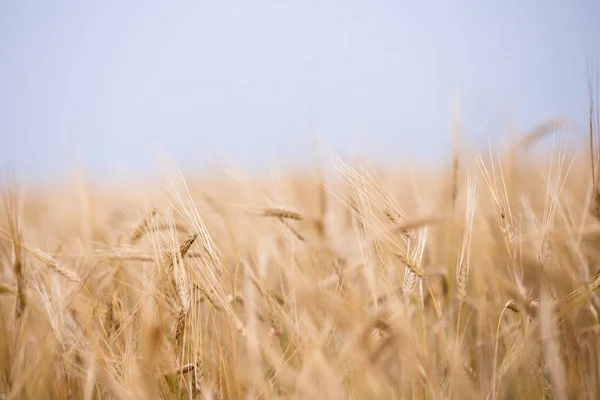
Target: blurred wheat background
[(455, 256)]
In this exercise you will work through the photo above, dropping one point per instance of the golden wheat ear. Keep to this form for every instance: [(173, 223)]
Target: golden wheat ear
[(143, 227), (282, 213), (539, 132)]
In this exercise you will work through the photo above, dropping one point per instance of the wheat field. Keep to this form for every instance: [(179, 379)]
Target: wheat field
[(345, 281)]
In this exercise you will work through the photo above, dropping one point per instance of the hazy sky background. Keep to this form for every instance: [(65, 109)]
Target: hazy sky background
[(118, 83)]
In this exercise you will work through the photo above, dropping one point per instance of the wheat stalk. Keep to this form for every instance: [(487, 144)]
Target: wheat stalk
[(12, 211), (464, 261)]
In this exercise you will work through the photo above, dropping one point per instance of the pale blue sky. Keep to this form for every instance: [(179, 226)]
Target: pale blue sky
[(121, 82)]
